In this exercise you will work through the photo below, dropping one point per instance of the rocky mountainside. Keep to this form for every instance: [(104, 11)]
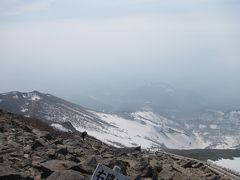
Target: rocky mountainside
[(46, 106), (30, 149)]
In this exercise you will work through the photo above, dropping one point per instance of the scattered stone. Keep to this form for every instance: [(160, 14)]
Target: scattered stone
[(137, 148), (72, 158), (27, 149), (2, 129), (26, 155), (14, 159), (151, 173), (83, 169), (58, 141), (54, 165), (122, 164), (66, 175), (178, 176), (51, 153), (108, 156), (62, 149), (166, 174), (138, 177), (42, 134), (198, 165), (91, 161), (27, 129), (38, 143), (6, 172), (212, 177), (188, 164)]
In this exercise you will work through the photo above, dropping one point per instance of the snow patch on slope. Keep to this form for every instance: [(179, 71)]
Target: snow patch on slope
[(151, 118), (31, 96), (60, 127), (233, 164), (213, 126), (24, 109), (15, 96), (34, 97), (145, 129), (229, 142)]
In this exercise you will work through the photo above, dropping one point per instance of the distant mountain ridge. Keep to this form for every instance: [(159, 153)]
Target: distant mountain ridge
[(159, 97)]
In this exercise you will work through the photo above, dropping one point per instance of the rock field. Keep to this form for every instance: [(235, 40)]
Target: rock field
[(30, 149)]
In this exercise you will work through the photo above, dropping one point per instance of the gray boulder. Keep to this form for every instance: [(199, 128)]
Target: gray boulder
[(66, 175)]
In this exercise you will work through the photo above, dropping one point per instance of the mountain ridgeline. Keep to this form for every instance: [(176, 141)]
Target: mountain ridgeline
[(159, 97)]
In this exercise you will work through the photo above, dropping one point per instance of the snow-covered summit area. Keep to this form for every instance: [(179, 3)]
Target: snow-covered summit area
[(33, 96)]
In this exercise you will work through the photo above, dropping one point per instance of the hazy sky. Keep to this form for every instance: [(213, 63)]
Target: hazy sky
[(70, 47)]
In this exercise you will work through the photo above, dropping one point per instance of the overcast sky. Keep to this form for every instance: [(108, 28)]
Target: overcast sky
[(69, 47)]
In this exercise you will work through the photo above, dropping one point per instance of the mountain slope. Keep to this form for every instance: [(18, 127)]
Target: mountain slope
[(140, 128), (47, 107), (32, 150), (144, 128), (148, 130)]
